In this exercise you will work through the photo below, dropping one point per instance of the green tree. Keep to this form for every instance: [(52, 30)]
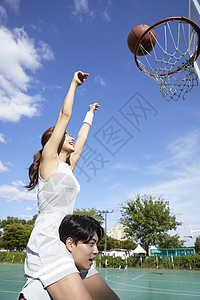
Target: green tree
[(90, 212), (197, 245), (11, 220), (1, 241), (128, 244), (147, 219), (16, 236), (32, 221), (168, 241), (111, 243)]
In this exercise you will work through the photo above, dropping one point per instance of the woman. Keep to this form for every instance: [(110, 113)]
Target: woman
[(47, 259)]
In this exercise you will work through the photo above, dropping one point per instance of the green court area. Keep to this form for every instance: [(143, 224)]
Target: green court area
[(128, 284), (153, 284)]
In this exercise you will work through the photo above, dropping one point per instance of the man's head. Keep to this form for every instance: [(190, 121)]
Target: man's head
[(81, 234)]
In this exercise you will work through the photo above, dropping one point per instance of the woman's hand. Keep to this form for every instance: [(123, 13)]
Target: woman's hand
[(93, 107), (80, 77)]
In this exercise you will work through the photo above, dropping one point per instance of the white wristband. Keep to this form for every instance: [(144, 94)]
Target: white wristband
[(88, 118)]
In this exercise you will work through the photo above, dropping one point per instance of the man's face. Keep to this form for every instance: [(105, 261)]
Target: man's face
[(83, 254)]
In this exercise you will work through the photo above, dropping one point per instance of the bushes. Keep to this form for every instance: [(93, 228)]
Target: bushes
[(151, 262), (191, 262), (178, 262), (14, 257)]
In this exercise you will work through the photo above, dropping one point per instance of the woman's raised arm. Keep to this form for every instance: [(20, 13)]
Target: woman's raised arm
[(49, 160), (82, 136)]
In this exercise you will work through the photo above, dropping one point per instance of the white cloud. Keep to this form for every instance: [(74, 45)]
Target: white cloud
[(82, 11), (18, 105), (17, 54), (178, 179), (29, 208), (99, 79), (2, 138), (3, 168), (3, 15), (45, 51), (26, 217), (14, 4), (124, 166), (18, 183), (106, 17), (19, 58), (183, 157), (80, 6), (16, 192)]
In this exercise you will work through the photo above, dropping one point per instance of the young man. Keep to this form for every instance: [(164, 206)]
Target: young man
[(80, 236)]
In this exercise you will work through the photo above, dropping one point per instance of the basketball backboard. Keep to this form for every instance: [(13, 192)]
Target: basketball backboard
[(194, 14)]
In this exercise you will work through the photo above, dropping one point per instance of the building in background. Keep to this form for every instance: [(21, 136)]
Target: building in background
[(117, 232)]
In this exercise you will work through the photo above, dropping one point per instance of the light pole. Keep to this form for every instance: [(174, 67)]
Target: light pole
[(106, 212)]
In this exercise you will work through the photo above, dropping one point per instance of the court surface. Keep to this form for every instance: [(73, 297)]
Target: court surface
[(128, 284)]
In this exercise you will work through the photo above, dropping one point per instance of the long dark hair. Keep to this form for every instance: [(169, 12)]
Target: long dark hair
[(34, 167)]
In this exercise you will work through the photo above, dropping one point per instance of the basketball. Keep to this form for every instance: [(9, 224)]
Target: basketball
[(147, 43)]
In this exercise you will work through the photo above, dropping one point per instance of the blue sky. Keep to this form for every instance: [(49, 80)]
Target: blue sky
[(42, 44)]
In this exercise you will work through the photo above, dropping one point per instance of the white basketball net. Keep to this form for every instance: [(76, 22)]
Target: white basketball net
[(171, 62)]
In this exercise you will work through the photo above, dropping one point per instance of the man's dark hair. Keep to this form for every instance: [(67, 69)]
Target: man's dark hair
[(80, 228)]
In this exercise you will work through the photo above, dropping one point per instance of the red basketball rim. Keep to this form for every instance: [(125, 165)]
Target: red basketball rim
[(192, 58)]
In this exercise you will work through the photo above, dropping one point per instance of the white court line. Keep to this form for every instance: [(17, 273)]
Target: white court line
[(154, 290), (9, 292), (3, 277), (125, 290), (20, 281), (138, 277), (154, 280), (128, 278), (176, 281), (164, 290)]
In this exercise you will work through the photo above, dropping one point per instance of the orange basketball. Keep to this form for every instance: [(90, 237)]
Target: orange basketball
[(148, 42)]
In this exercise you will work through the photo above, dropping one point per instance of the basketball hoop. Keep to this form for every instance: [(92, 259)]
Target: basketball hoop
[(171, 61)]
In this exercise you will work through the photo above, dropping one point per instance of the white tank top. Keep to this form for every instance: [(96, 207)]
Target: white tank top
[(58, 193)]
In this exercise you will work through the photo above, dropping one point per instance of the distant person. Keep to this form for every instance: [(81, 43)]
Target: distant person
[(80, 235), (47, 259)]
